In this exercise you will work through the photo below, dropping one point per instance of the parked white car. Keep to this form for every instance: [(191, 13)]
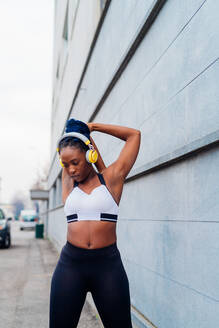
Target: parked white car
[(28, 219)]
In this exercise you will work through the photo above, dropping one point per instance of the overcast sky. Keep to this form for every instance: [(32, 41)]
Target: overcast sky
[(26, 34)]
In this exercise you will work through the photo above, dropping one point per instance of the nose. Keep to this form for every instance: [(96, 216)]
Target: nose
[(71, 170)]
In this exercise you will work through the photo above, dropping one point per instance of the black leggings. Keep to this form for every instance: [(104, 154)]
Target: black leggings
[(99, 271)]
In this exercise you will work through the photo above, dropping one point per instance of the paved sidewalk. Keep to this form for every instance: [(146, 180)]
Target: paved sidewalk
[(26, 270)]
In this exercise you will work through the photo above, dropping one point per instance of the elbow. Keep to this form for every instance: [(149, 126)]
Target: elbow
[(138, 133)]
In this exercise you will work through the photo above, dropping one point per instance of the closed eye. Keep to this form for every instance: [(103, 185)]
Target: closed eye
[(72, 162)]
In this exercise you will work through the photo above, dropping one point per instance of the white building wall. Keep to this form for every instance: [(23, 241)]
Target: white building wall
[(154, 67)]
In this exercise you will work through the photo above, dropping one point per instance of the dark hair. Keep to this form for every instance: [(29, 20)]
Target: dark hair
[(73, 125)]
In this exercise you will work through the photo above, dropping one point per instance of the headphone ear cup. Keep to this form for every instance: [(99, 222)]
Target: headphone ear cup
[(88, 156), (61, 162), (91, 156), (94, 156)]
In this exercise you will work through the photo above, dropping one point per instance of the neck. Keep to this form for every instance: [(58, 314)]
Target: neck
[(92, 173)]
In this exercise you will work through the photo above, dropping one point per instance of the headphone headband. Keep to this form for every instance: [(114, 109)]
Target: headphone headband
[(78, 135), (91, 154)]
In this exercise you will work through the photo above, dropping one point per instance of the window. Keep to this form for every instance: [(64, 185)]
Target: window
[(64, 51), (65, 28), (59, 191), (58, 68), (54, 196), (2, 216), (73, 9), (102, 4)]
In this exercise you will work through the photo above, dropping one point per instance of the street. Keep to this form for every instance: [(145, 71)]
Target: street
[(26, 269)]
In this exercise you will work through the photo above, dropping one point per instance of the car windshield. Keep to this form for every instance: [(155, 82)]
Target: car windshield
[(29, 217)]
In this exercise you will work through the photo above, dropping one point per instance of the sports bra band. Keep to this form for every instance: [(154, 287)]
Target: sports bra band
[(101, 217)]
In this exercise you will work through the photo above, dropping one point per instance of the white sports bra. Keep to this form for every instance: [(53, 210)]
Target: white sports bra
[(99, 205)]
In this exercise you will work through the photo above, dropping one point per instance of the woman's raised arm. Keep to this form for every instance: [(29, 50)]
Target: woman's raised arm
[(67, 184), (127, 157)]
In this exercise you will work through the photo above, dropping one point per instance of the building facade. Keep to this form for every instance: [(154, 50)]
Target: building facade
[(151, 65)]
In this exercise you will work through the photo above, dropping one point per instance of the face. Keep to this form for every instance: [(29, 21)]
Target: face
[(75, 163)]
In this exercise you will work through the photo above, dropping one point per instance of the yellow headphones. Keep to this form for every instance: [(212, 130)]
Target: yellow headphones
[(61, 162), (91, 154)]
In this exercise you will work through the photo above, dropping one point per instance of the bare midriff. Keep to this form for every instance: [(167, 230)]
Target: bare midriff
[(91, 234)]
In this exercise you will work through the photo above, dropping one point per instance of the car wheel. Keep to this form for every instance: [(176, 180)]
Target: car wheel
[(7, 241), (21, 228)]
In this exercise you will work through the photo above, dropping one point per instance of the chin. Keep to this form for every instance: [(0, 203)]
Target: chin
[(82, 177), (79, 178)]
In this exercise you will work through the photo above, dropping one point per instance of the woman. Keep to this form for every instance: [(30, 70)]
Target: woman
[(90, 259)]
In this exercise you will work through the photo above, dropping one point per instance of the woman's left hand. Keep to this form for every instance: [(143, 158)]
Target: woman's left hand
[(90, 126)]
